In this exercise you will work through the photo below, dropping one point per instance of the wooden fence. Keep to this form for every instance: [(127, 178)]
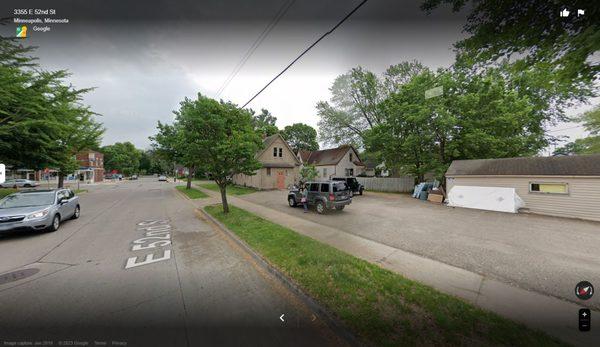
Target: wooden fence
[(404, 184)]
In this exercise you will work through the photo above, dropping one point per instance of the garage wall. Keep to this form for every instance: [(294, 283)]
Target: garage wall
[(582, 201)]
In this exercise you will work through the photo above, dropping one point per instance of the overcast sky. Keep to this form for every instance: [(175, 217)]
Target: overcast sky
[(144, 57)]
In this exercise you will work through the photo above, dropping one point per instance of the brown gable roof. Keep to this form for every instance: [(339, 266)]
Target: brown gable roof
[(577, 165), (328, 156), (304, 155), (267, 141)]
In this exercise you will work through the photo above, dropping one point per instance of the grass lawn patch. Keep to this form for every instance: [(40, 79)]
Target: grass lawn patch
[(79, 191), (231, 189), (380, 307), (192, 193), (6, 191)]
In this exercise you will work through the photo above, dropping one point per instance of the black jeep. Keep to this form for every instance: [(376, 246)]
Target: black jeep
[(352, 183)]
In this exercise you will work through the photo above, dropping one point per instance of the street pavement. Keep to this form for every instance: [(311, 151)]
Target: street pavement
[(139, 268)]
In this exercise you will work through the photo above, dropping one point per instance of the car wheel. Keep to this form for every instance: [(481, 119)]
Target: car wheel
[(55, 223), (321, 207), (339, 208), (361, 192), (292, 201), (76, 213)]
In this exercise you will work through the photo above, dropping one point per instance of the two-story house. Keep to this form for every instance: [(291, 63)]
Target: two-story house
[(342, 161), (280, 166)]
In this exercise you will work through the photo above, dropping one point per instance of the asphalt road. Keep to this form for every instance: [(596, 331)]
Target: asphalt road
[(73, 287)]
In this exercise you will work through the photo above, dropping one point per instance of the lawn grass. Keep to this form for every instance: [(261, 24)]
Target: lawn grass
[(6, 191), (380, 307), (231, 189), (192, 193), (79, 191)]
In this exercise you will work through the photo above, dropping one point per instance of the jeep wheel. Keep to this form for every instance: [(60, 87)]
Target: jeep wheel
[(55, 223), (321, 207), (339, 208), (292, 201), (360, 191)]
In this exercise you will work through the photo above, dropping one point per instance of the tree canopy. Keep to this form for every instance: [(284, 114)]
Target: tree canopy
[(589, 144), (123, 157), (301, 136)]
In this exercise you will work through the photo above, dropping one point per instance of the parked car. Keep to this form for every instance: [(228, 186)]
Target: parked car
[(325, 196), (38, 209), (352, 183), (19, 183), (162, 178), (134, 177)]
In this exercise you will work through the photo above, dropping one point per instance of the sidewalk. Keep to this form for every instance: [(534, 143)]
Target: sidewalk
[(549, 314)]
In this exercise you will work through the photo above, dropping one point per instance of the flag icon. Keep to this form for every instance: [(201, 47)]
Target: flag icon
[(22, 31)]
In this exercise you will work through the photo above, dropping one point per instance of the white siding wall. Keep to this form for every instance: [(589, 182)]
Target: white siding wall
[(582, 201)]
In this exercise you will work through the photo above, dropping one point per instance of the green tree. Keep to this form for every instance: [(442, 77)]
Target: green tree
[(264, 122), (308, 173), (301, 136), (589, 144), (123, 157), (551, 56), (42, 120), (218, 135)]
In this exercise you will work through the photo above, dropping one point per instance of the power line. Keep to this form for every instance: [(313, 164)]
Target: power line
[(306, 50), (574, 127), (263, 35)]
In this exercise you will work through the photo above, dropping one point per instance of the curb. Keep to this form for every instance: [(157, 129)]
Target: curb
[(330, 320)]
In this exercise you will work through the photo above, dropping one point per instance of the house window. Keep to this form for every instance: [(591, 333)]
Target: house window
[(324, 172), (280, 152), (548, 188), (349, 172), (275, 151), (350, 157), (268, 171)]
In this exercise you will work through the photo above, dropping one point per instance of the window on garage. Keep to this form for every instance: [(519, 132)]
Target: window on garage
[(268, 171), (324, 172), (280, 152), (274, 151), (549, 188)]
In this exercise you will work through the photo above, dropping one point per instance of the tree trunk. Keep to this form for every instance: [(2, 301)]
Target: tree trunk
[(189, 179), (222, 188), (61, 180)]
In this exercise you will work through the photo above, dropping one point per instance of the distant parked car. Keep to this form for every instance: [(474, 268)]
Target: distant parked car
[(38, 209), (134, 177), (19, 183), (162, 178), (352, 183), (327, 195)]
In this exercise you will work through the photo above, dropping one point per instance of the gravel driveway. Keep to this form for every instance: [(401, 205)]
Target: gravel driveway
[(545, 254)]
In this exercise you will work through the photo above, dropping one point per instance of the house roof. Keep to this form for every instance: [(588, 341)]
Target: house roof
[(328, 156), (267, 141), (580, 165)]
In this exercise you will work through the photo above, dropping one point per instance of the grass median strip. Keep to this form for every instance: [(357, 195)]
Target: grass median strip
[(6, 191), (231, 189), (192, 193), (379, 306)]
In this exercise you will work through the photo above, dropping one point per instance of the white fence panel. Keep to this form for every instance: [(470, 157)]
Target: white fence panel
[(404, 184)]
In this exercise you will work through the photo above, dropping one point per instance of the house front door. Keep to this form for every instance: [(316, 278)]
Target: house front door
[(280, 180)]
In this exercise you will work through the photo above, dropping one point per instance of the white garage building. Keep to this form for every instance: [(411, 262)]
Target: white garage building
[(564, 186)]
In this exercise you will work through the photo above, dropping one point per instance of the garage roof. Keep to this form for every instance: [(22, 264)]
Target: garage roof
[(577, 165)]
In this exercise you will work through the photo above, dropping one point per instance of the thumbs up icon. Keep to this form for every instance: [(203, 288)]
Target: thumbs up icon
[(564, 13)]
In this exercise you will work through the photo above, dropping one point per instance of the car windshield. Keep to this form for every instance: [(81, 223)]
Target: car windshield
[(27, 200), (339, 186)]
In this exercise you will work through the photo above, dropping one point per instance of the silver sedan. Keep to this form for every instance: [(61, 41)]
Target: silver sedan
[(38, 209), (19, 182)]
